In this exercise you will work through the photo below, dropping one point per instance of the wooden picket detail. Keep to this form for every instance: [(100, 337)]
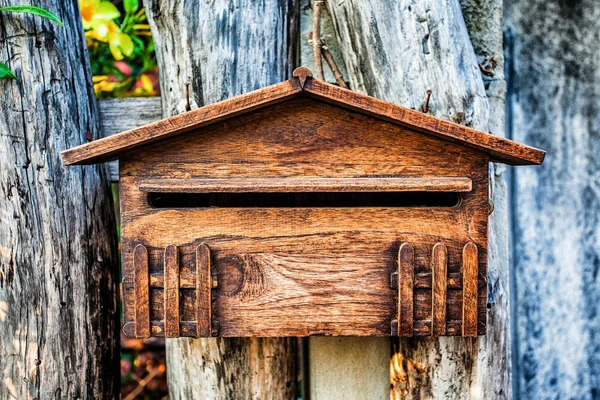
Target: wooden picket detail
[(406, 269), (439, 271), (171, 292), (203, 291), (142, 292), (470, 272)]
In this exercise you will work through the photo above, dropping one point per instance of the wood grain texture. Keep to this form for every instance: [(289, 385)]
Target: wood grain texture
[(292, 185), (120, 115), (109, 148), (203, 291), (406, 269), (171, 292), (470, 274), (59, 315), (429, 41), (142, 291), (251, 46), (498, 148), (553, 101), (289, 265), (439, 271)]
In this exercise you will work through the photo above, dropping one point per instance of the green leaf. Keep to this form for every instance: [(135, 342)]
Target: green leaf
[(35, 11), (6, 73), (131, 6)]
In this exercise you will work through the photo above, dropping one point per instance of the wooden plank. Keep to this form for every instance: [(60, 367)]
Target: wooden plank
[(553, 102), (203, 291), (142, 292), (278, 185), (171, 292), (120, 115), (275, 143), (107, 149), (422, 280), (406, 266), (499, 149), (470, 279), (439, 270)]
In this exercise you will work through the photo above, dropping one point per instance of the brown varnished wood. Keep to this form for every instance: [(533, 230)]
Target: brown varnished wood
[(282, 185), (470, 275), (304, 271), (439, 270), (498, 148), (111, 147), (203, 291), (422, 280), (171, 292), (142, 288), (406, 268)]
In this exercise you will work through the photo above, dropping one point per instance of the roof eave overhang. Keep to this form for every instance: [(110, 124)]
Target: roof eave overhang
[(499, 149)]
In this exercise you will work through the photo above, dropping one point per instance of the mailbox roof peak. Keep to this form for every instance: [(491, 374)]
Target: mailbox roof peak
[(302, 84)]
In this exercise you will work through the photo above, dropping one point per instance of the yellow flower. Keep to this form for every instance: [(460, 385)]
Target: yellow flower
[(120, 45), (144, 87), (94, 12), (102, 84)]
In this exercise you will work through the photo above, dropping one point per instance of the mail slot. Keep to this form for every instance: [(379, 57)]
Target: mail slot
[(304, 209)]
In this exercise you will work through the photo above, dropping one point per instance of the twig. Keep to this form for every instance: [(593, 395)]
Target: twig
[(142, 383), (339, 78), (426, 106), (188, 106), (317, 6)]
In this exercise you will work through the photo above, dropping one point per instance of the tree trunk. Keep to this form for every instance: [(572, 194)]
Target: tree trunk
[(225, 48), (554, 103), (396, 51), (58, 263)]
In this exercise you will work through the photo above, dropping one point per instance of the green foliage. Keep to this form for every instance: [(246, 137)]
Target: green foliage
[(5, 72), (35, 11)]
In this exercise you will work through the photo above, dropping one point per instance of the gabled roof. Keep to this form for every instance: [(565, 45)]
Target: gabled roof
[(109, 148)]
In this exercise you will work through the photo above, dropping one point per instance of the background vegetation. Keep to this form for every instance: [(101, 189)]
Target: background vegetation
[(121, 49)]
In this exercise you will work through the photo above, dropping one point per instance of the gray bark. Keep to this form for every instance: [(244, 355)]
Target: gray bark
[(225, 48), (554, 101), (58, 264), (396, 51)]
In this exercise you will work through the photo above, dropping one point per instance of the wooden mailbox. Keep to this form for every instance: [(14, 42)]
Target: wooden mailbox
[(304, 209)]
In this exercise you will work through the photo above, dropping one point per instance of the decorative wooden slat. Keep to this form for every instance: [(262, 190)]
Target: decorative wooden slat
[(439, 277), (422, 280), (470, 271), (142, 292), (203, 291), (406, 267), (171, 292), (284, 185)]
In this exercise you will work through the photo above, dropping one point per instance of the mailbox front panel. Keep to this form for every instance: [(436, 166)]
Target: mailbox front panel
[(334, 262)]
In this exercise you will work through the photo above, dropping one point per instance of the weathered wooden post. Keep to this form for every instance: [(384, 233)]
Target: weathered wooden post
[(396, 52), (58, 267), (223, 49), (553, 98)]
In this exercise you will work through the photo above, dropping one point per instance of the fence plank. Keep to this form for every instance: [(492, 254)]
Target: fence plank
[(118, 115)]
